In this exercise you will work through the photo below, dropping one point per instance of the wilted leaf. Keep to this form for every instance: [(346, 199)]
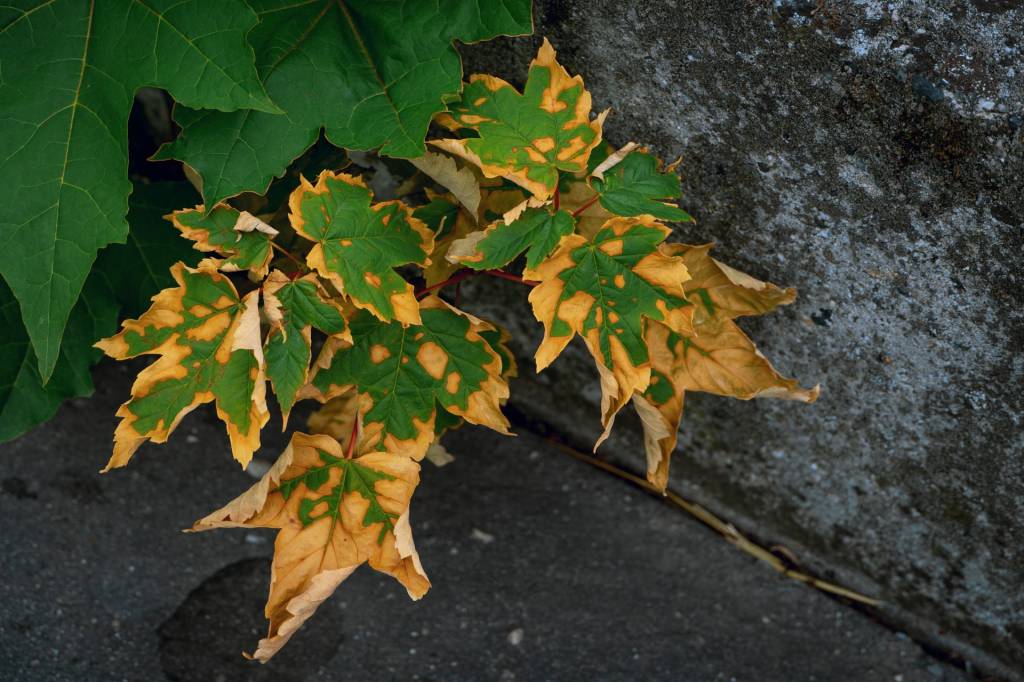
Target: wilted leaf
[(403, 374), (537, 231), (70, 70), (637, 185), (224, 232), (372, 74), (716, 358), (358, 245), (461, 182), (294, 308), (606, 290), (334, 514), (527, 138), (209, 347)]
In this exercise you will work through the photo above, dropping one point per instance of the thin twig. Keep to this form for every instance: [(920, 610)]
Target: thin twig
[(590, 202), (501, 274), (727, 530), (454, 279), (555, 198), (352, 438), (289, 256)]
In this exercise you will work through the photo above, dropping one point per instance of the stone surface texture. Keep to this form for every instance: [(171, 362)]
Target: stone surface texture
[(872, 155), (543, 568)]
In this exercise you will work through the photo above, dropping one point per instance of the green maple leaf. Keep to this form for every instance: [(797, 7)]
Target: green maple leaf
[(637, 185), (24, 400), (125, 274), (140, 267), (209, 347), (372, 74), (537, 231), (70, 70), (294, 308), (358, 244), (406, 372), (527, 138)]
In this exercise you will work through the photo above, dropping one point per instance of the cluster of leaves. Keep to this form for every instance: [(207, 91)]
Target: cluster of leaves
[(332, 295), (255, 81)]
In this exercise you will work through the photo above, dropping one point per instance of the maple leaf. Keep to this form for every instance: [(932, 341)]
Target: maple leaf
[(230, 233), (70, 71), (209, 347), (371, 74), (460, 182), (404, 373), (606, 290), (537, 231), (717, 357), (358, 244), (294, 308), (527, 138), (637, 185), (334, 513)]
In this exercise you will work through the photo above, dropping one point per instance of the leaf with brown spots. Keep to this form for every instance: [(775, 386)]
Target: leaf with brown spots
[(717, 357), (527, 138), (209, 347), (358, 244), (607, 289), (405, 376), (335, 512)]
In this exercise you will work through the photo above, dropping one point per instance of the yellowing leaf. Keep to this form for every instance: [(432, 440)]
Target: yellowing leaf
[(209, 347), (358, 244), (717, 357), (461, 182), (405, 373), (293, 308), (240, 237), (607, 290), (526, 138), (334, 514)]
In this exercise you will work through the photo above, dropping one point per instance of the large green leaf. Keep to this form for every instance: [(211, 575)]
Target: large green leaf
[(371, 73), (139, 268), (24, 400), (70, 70)]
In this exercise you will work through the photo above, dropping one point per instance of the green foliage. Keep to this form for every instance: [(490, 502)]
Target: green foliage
[(70, 70), (372, 74)]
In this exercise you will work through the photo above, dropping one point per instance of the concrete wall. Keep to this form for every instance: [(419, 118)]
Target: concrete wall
[(872, 155)]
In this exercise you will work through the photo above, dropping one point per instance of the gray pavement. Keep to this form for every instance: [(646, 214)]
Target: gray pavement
[(543, 568)]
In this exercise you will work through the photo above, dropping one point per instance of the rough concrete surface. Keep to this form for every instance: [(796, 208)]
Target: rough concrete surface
[(543, 568), (870, 154)]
